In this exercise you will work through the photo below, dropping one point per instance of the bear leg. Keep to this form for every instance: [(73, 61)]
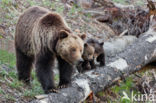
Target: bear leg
[(101, 59), (79, 68), (65, 70), (92, 64), (44, 64), (86, 65), (24, 66)]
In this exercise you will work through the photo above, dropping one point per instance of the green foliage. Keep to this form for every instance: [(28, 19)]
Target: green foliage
[(125, 90), (10, 76), (88, 15), (34, 90), (74, 10), (120, 1), (7, 58), (124, 86), (10, 97), (16, 84), (140, 3), (31, 2), (101, 93), (56, 78), (46, 3), (1, 91), (5, 2), (3, 73), (57, 7), (126, 101)]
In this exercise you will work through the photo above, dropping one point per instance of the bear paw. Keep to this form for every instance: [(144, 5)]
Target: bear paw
[(54, 90), (63, 86)]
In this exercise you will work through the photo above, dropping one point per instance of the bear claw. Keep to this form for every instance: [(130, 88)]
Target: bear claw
[(53, 90), (62, 86)]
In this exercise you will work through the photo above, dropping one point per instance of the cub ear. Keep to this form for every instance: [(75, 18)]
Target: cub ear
[(83, 36), (86, 45), (101, 43), (51, 19), (63, 34)]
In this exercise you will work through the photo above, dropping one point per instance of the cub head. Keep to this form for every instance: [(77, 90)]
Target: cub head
[(70, 47), (88, 52), (97, 46)]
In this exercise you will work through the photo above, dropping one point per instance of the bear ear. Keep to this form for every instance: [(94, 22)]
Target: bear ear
[(86, 45), (63, 34), (51, 19), (101, 43), (83, 36)]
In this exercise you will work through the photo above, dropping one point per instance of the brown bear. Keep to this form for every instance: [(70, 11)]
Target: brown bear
[(92, 50), (88, 55), (99, 54), (40, 37)]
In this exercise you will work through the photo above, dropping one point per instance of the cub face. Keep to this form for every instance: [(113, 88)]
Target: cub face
[(70, 47), (97, 46), (88, 53)]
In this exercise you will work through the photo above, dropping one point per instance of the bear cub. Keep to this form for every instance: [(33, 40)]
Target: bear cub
[(93, 49), (88, 55)]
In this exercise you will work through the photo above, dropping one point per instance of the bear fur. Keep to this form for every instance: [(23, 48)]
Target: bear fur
[(88, 55), (99, 54), (92, 50), (40, 37), (88, 52)]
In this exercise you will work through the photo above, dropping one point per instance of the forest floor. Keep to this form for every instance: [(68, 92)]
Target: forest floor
[(12, 90)]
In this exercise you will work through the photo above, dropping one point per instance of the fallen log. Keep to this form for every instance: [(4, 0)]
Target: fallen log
[(132, 59)]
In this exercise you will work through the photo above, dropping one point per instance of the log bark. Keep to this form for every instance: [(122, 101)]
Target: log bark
[(132, 59)]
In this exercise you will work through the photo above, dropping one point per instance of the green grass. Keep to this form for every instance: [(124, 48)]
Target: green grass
[(7, 58), (10, 78), (31, 2), (140, 3), (125, 87), (120, 1), (5, 2), (16, 84), (34, 90), (1, 91), (10, 97), (121, 93)]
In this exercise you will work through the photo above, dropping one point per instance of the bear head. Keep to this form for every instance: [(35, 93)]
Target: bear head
[(88, 52), (70, 47), (97, 46)]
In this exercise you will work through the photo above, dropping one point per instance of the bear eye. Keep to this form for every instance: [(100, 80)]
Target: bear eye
[(73, 49)]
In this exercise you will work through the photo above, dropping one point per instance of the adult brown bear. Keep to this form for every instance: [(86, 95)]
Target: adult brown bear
[(41, 36)]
